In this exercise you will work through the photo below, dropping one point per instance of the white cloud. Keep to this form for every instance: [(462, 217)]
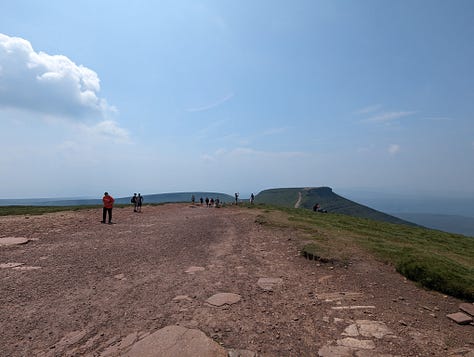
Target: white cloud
[(212, 105), (53, 88), (386, 117), (49, 84), (108, 129), (394, 149), (369, 109)]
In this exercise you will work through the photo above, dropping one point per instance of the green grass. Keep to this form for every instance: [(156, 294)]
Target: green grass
[(38, 210), (436, 260)]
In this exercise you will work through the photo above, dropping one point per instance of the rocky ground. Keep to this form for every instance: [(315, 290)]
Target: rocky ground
[(79, 287)]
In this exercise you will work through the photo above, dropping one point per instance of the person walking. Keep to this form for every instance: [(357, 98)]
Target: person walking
[(108, 205), (252, 198)]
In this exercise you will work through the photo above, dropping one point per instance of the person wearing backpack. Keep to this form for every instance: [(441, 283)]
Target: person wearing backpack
[(134, 201)]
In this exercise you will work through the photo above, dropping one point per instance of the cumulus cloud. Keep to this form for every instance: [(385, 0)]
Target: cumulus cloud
[(393, 149), (48, 84)]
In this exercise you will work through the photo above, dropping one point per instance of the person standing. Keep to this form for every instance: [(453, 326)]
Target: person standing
[(252, 198), (139, 202), (108, 205), (135, 202)]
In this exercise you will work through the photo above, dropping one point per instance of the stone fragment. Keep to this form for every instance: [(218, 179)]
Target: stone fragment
[(120, 277), (10, 265), (241, 353), (335, 351), (460, 318), (351, 331), (182, 297), (467, 308), (268, 284), (356, 344), (223, 299), (13, 241), (377, 329), (176, 341), (26, 268), (192, 270)]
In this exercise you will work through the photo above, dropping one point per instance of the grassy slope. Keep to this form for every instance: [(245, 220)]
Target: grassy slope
[(437, 260), (327, 199)]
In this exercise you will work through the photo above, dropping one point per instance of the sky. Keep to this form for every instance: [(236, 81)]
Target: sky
[(235, 96)]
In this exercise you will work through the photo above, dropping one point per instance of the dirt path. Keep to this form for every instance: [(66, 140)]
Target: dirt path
[(298, 203), (86, 288)]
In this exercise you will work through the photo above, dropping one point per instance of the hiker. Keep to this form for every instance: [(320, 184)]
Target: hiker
[(201, 200), (316, 207), (252, 197), (207, 201), (192, 199), (211, 203), (108, 205), (139, 202), (236, 198), (135, 202), (217, 202)]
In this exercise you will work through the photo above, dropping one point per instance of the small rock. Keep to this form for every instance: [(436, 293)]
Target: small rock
[(223, 299), (460, 318), (467, 308)]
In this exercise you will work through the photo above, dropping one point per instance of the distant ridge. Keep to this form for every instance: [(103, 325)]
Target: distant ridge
[(327, 199), (153, 198)]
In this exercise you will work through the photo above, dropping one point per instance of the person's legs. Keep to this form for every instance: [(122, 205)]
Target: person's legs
[(104, 213), (110, 215)]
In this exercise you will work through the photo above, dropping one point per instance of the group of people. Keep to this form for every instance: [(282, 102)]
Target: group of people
[(137, 201), (108, 202), (210, 202)]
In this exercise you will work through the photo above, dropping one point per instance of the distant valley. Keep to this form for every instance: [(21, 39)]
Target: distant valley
[(447, 223)]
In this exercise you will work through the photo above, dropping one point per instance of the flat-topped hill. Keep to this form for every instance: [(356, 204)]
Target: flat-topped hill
[(327, 199)]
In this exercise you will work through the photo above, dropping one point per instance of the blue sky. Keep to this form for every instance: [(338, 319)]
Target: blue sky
[(235, 96)]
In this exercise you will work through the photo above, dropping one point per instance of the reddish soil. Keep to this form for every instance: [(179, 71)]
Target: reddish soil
[(83, 287)]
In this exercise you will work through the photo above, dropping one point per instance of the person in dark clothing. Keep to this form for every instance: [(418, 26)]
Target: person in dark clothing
[(108, 205), (134, 201), (139, 202)]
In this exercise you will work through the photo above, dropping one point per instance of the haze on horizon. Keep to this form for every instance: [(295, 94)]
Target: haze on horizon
[(236, 96)]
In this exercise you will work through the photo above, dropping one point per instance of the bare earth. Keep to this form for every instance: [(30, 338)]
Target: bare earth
[(79, 287)]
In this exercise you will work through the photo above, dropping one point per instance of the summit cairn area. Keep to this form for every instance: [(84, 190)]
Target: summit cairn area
[(178, 280)]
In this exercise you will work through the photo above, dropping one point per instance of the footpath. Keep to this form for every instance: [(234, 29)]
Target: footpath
[(184, 280)]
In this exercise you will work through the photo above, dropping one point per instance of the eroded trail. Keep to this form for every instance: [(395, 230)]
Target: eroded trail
[(84, 288)]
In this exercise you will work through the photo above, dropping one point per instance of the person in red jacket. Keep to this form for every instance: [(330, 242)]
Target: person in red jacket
[(108, 205)]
